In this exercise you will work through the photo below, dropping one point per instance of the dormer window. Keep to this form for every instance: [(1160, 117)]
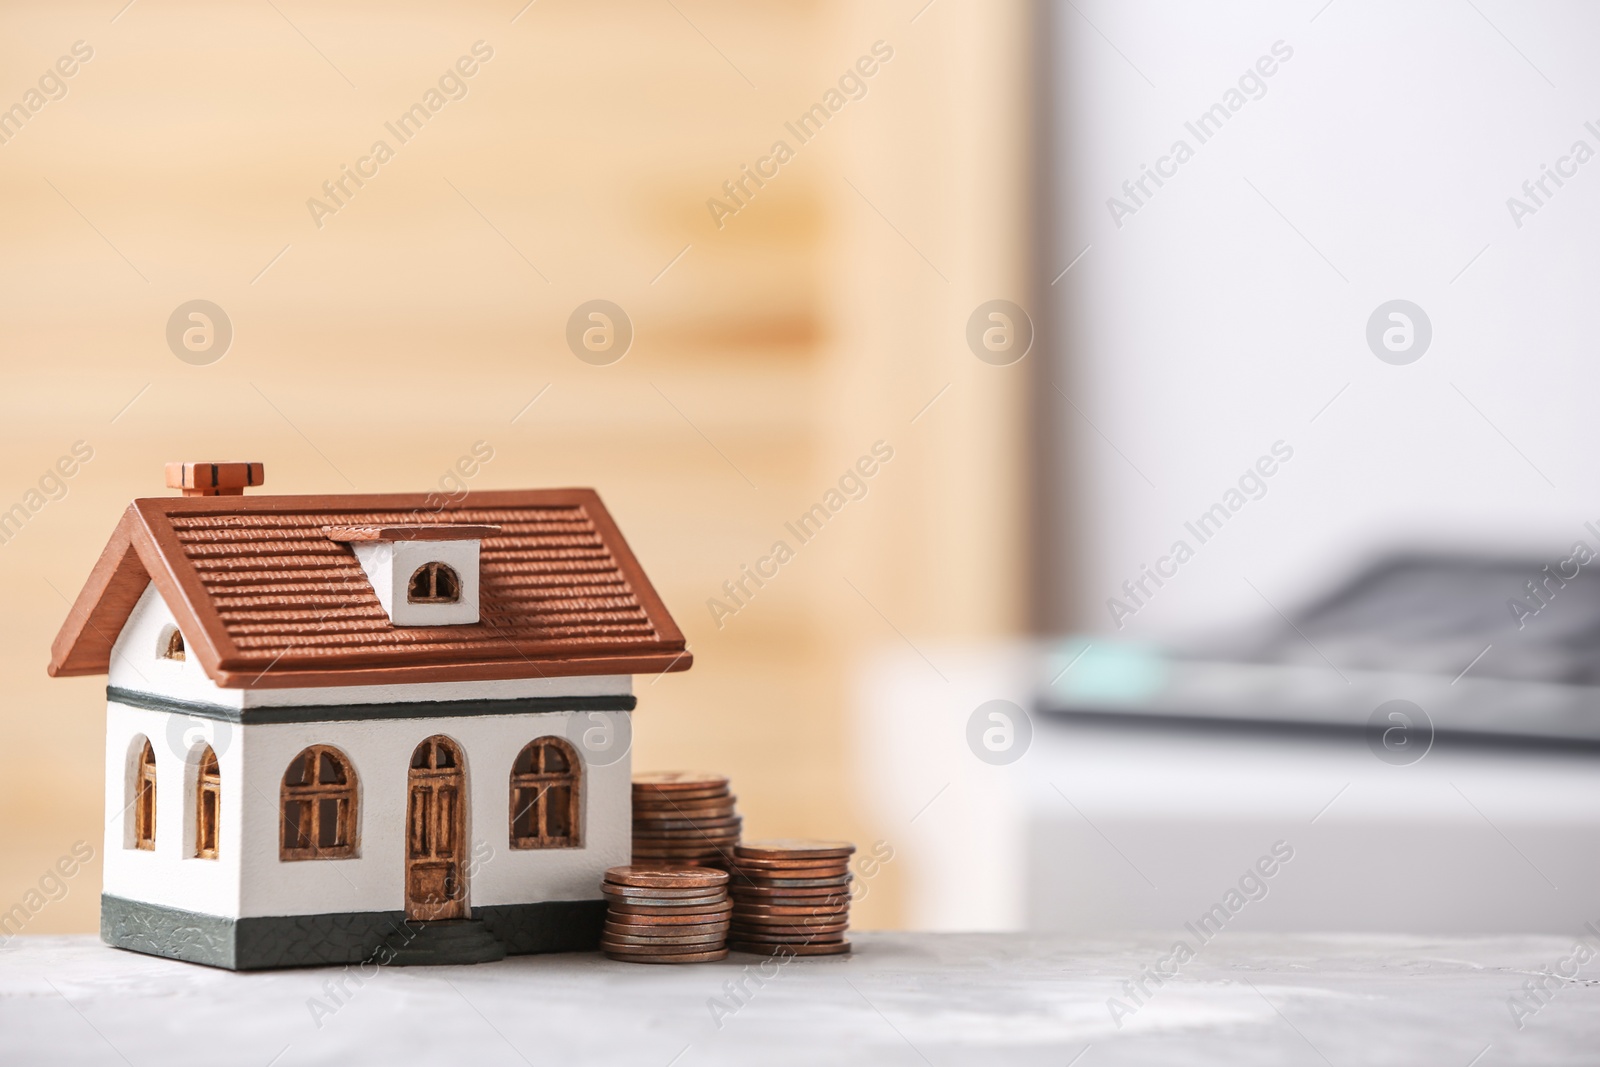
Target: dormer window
[(434, 583), (424, 574), (173, 647)]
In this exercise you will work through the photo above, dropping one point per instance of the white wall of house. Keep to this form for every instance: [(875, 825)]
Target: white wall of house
[(170, 874), (249, 879), (381, 755)]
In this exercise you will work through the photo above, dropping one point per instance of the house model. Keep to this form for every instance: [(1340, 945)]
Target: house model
[(350, 727)]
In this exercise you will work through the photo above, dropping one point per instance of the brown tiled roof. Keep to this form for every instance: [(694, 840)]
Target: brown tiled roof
[(266, 600)]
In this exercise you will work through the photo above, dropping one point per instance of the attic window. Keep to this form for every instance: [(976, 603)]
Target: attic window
[(173, 649), (434, 583)]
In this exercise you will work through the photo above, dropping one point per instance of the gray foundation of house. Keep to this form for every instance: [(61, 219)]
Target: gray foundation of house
[(271, 941)]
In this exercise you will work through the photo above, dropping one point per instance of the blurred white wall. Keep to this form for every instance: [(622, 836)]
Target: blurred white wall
[(1230, 308)]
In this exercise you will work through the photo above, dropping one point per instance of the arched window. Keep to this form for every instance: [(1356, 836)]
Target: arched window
[(318, 802), (207, 805), (546, 795), (434, 583), (144, 800), (173, 648)]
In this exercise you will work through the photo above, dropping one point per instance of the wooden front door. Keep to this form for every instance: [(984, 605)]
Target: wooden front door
[(436, 825)]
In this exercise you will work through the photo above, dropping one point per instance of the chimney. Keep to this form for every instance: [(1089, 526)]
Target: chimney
[(213, 479)]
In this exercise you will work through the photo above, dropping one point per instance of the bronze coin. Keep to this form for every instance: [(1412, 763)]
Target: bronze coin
[(687, 957), (837, 927), (666, 929), (791, 914), (652, 824), (805, 893), (616, 939), (716, 898), (786, 936), (674, 802), (792, 848), (792, 883), (687, 833), (670, 907), (675, 781), (660, 892), (790, 922), (672, 921), (711, 859), (785, 869), (839, 948), (721, 907), (665, 877), (744, 876), (648, 948), (666, 905), (708, 806)]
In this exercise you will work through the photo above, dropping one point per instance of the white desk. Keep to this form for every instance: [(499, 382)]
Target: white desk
[(935, 999)]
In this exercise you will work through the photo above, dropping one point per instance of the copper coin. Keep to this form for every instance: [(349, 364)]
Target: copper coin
[(665, 929), (746, 915), (645, 831), (656, 905), (665, 877), (658, 948), (661, 892), (791, 848), (705, 860), (791, 914), (790, 922), (675, 801), (721, 907), (667, 804), (839, 948), (642, 824), (689, 820), (745, 876), (789, 937), (758, 892), (791, 883), (672, 922), (801, 930), (669, 907), (616, 939), (785, 869), (687, 957), (701, 895), (674, 781)]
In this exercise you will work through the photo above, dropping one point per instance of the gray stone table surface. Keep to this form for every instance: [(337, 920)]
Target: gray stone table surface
[(931, 999)]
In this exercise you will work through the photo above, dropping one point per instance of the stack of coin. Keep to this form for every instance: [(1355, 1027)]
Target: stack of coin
[(666, 914), (791, 897), (683, 817)]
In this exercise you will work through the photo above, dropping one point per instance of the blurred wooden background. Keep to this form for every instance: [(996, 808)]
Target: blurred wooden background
[(369, 354)]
